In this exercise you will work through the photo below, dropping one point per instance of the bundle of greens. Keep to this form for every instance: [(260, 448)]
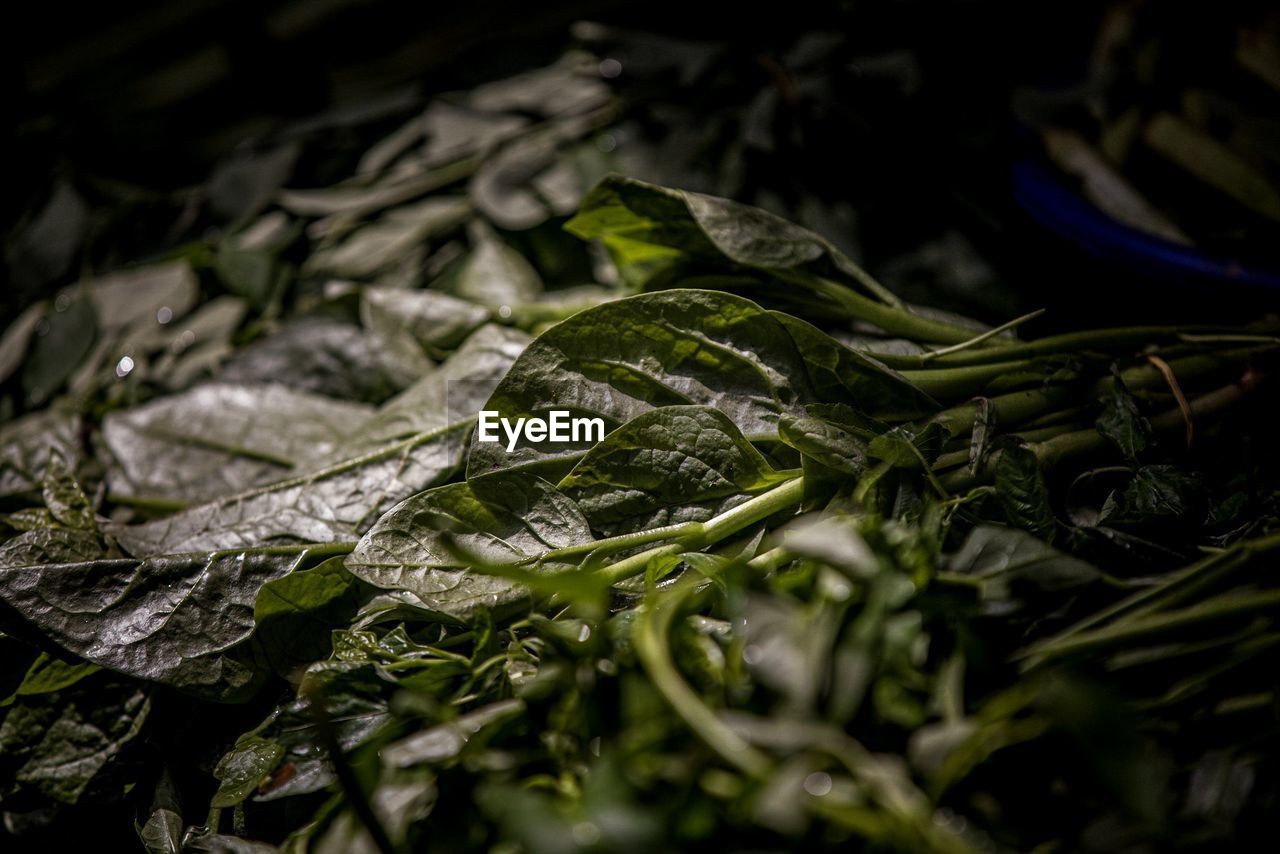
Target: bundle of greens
[(842, 572)]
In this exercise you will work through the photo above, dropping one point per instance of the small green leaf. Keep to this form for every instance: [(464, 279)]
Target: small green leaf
[(242, 770), (1022, 492), (1122, 422)]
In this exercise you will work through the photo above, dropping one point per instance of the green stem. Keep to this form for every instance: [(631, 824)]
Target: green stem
[(621, 542), (953, 383), (978, 339), (654, 651), (892, 319), (708, 533), (1107, 340), (1020, 406), (1161, 623), (952, 459), (1177, 588), (1083, 443)]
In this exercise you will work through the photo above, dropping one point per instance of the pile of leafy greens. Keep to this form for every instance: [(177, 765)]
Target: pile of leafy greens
[(843, 572)]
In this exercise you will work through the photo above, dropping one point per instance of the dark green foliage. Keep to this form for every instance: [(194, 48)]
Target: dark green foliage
[(276, 594)]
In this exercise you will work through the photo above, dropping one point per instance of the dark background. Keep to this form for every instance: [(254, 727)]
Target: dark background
[(150, 96)]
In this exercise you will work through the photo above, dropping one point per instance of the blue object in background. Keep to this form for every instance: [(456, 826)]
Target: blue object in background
[(1045, 195)]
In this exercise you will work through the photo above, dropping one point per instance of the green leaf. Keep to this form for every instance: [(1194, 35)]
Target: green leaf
[(218, 439), (1158, 492), (294, 615), (327, 357), (407, 446), (29, 443), (50, 673), (1004, 557), (839, 374), (169, 619), (60, 346), (650, 230), (904, 447), (57, 744), (454, 390), (424, 544), (443, 743), (390, 240), (249, 262), (670, 465), (622, 358), (496, 276), (64, 498), (17, 337), (825, 442), (333, 504), (1022, 492), (434, 319), (51, 545), (1122, 422), (239, 772)]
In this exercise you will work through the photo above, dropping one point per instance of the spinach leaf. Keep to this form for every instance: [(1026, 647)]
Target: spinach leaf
[(1021, 490), (1156, 493), (622, 358), (64, 498), (375, 247), (825, 442), (16, 339), (670, 465), (327, 357), (331, 504), (1122, 422), (49, 673), (56, 744), (906, 447), (294, 614), (840, 374), (434, 319), (51, 545), (29, 443), (495, 275), (240, 772), (219, 438), (408, 446), (173, 619), (59, 347), (423, 545), (454, 390), (649, 230), (1006, 558)]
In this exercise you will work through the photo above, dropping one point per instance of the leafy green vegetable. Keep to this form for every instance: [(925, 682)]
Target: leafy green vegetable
[(1123, 423), (336, 503), (649, 229), (221, 438), (809, 590), (619, 359), (1022, 492), (57, 744), (173, 619), (425, 544), (664, 467), (28, 444)]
